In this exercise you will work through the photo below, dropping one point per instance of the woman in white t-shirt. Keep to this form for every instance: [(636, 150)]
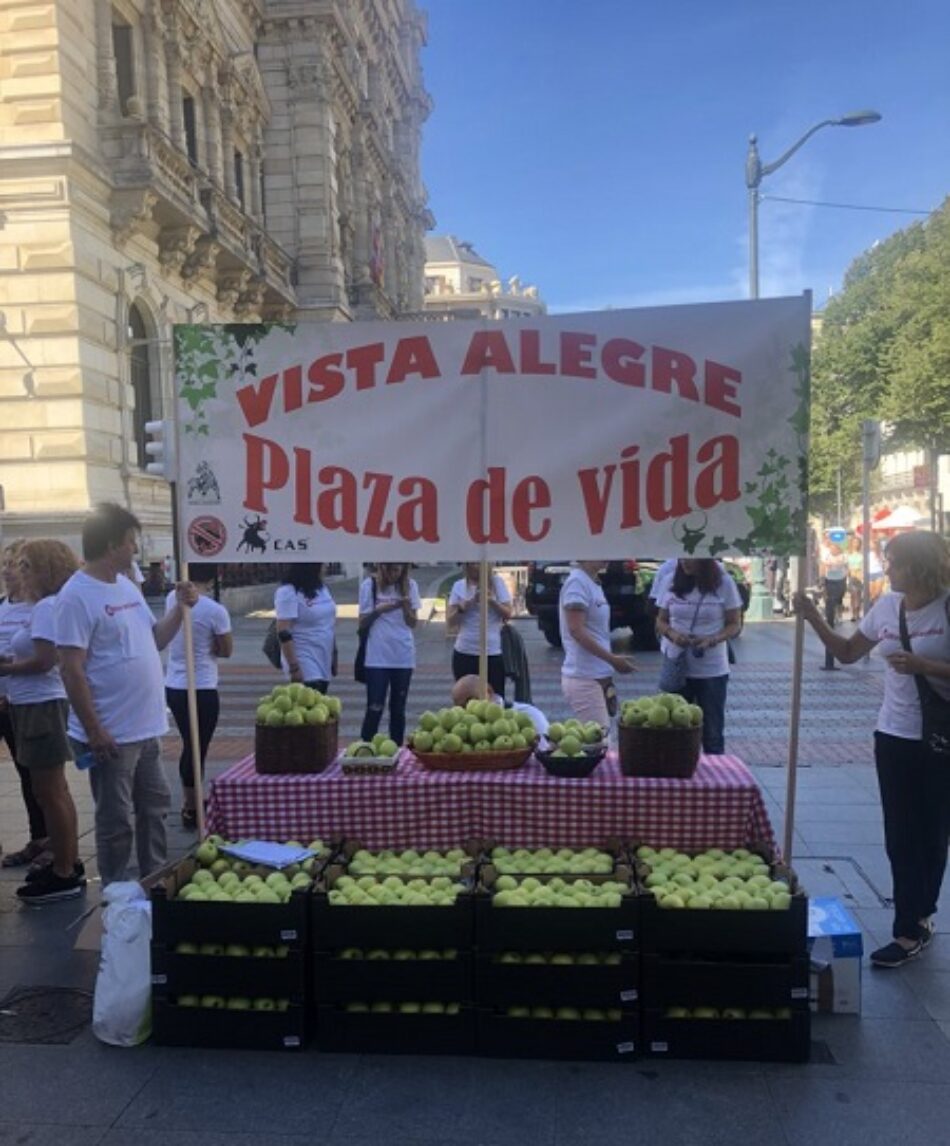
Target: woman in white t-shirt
[(38, 705), (211, 635), (586, 683), (15, 613), (306, 625), (389, 606), (464, 612), (699, 613), (914, 782)]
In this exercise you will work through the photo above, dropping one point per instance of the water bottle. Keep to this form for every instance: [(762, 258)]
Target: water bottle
[(86, 760)]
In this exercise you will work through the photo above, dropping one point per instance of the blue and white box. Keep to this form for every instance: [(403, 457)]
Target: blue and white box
[(836, 948)]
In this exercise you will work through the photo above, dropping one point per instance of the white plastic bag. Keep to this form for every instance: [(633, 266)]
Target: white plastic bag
[(122, 1006)]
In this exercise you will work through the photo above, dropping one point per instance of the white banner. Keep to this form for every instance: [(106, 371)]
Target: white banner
[(606, 435)]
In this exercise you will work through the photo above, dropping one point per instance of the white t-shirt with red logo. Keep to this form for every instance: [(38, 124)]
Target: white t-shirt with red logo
[(14, 616), (34, 688), (113, 623), (929, 633)]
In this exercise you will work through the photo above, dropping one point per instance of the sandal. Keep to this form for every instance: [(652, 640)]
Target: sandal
[(25, 855), (42, 861), (189, 819)]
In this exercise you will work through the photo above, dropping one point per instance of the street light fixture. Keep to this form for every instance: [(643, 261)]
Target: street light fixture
[(756, 171)]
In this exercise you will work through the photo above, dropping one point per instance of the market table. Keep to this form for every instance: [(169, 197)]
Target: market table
[(720, 806)]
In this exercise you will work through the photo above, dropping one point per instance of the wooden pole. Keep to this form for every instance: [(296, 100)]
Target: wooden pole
[(483, 628), (189, 634), (791, 779)]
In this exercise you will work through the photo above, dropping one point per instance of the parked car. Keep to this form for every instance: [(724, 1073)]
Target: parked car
[(626, 586)]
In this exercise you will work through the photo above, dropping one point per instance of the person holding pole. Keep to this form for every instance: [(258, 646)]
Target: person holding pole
[(212, 639), (463, 611), (389, 605), (109, 644), (585, 632), (912, 626), (306, 625), (39, 709)]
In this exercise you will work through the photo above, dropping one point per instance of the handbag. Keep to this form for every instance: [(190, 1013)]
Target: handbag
[(673, 669), (271, 645), (359, 663), (934, 710)]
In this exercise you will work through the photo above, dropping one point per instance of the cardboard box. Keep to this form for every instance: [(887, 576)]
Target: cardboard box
[(835, 947)]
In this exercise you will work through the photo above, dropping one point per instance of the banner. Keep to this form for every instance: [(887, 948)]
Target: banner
[(619, 433)]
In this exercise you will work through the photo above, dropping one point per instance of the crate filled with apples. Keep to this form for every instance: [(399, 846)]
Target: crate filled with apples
[(719, 901), (725, 981), (599, 979), (759, 1034), (596, 1034), (402, 974), (215, 1019), (397, 1026), (296, 729), (581, 909)]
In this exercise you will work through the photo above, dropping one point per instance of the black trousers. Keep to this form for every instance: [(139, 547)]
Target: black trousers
[(33, 811), (466, 664), (915, 797), (209, 705)]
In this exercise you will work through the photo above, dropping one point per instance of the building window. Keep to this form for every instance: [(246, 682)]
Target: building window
[(147, 404), (239, 177), (191, 129), (122, 48)]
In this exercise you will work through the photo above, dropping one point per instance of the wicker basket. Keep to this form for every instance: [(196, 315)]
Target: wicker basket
[(572, 767), (473, 761), (672, 752), (295, 748), (369, 765)]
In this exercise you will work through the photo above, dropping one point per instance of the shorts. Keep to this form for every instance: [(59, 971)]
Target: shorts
[(40, 734)]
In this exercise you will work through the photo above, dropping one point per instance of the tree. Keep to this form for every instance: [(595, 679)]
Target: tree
[(884, 352)]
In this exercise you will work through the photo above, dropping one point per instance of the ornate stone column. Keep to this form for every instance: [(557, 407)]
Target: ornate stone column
[(210, 98), (154, 57), (105, 58), (176, 121), (227, 149), (255, 160)]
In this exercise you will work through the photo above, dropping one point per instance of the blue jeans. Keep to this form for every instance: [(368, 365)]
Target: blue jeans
[(379, 681), (710, 694)]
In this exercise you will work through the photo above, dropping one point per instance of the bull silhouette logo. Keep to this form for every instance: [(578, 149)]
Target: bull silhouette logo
[(255, 536), (690, 533), (203, 487)]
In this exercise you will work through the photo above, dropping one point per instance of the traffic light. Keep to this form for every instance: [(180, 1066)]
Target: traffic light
[(160, 447), (871, 442)]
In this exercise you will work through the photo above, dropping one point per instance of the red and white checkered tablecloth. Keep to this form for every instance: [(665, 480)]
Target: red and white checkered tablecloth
[(721, 806)]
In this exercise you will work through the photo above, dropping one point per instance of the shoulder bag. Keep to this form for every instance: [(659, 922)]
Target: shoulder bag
[(673, 669), (934, 710), (271, 646), (359, 664)]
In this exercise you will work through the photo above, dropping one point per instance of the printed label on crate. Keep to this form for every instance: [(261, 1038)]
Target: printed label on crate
[(625, 1048), (626, 935), (291, 1040), (630, 995), (159, 980), (799, 992), (659, 1047), (289, 935)]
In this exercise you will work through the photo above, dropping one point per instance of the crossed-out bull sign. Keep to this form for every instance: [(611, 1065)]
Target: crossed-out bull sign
[(677, 429)]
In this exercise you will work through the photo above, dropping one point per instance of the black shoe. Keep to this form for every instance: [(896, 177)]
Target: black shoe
[(51, 888), (895, 955), (79, 869)]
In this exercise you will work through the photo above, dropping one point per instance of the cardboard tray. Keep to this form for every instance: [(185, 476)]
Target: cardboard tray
[(376, 980), (228, 975), (264, 924), (557, 985), (502, 1037), (707, 931), (174, 1026), (340, 1030), (760, 1040), (667, 982)]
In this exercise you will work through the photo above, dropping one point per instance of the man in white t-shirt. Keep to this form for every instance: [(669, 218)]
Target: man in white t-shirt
[(108, 644)]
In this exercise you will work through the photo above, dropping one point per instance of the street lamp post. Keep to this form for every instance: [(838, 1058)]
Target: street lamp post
[(760, 603)]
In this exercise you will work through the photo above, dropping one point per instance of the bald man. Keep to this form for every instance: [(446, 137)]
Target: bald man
[(468, 688)]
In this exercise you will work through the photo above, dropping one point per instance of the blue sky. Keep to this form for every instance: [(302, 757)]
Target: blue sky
[(596, 148)]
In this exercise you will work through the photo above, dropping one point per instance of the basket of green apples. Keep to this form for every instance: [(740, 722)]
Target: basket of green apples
[(296, 730), (660, 735), (572, 749), (481, 737), (376, 757)]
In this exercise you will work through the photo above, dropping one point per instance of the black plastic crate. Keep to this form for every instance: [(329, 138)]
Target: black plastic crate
[(338, 980), (761, 1040), (556, 928), (174, 974), (547, 984), (396, 1033), (579, 1040), (176, 1026), (694, 982), (251, 924), (707, 930)]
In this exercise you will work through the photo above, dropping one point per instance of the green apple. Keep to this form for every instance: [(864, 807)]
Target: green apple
[(237, 950), (275, 718), (518, 1012), (239, 1004), (213, 1001), (189, 1001), (264, 1004), (409, 1008), (206, 853)]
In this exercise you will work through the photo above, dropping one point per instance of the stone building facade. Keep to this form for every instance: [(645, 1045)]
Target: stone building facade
[(459, 283), (170, 161)]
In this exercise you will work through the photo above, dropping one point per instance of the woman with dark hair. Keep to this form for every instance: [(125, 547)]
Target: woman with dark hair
[(15, 615), (389, 606), (699, 613), (39, 709), (912, 626), (306, 625), (464, 612), (211, 632)]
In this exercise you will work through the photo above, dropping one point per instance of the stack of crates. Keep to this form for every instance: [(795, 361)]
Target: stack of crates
[(393, 978), (726, 983), (228, 974), (555, 981)]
